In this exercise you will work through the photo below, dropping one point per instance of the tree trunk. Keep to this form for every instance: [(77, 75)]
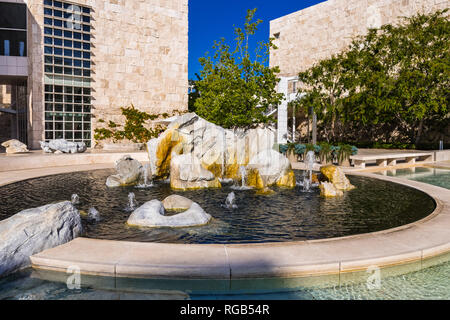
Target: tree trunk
[(419, 132)]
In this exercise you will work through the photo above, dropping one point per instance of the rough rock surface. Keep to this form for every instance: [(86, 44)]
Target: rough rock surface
[(336, 176), (34, 230), (129, 172), (14, 146), (273, 167), (176, 202), (220, 151), (151, 214), (63, 146), (328, 190), (186, 172)]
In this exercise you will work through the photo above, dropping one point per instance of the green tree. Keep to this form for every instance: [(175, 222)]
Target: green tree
[(393, 78), (237, 88)]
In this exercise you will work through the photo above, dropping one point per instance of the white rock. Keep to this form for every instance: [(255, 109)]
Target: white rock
[(271, 165), (211, 144), (34, 230), (187, 172), (14, 146), (327, 189), (176, 202), (129, 172), (151, 214), (63, 146)]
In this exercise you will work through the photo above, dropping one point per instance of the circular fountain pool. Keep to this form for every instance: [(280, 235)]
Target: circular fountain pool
[(287, 215)]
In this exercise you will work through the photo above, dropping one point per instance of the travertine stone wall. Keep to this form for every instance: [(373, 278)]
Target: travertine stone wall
[(315, 33), (139, 56)]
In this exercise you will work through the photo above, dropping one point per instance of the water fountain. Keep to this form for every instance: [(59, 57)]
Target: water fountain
[(146, 172), (75, 199), (243, 173), (93, 214), (230, 201), (307, 176), (132, 203)]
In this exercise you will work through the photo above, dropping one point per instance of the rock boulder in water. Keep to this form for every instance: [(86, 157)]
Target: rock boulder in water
[(34, 230), (151, 214), (336, 176), (129, 172), (187, 172), (218, 150), (176, 202)]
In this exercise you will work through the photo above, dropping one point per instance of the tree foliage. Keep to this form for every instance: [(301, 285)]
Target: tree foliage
[(235, 87), (394, 77)]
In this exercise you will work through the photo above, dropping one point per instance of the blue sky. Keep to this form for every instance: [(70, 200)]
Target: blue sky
[(210, 20)]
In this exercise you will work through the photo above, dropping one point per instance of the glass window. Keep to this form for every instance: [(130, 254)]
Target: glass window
[(67, 34), (86, 37), (77, 35), (48, 40), (58, 60), (67, 43), (48, 30), (48, 11), (77, 44), (86, 19), (67, 52), (48, 69), (48, 2), (48, 21), (58, 51), (59, 89), (86, 55), (86, 64), (57, 23), (77, 63), (86, 46), (77, 54), (14, 15), (77, 72), (57, 32), (13, 43), (86, 28), (57, 42), (58, 13), (47, 50), (67, 62), (57, 4)]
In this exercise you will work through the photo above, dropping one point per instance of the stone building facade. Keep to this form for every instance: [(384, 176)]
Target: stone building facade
[(315, 33), (88, 58)]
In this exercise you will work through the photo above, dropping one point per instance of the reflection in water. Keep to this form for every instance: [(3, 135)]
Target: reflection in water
[(435, 176)]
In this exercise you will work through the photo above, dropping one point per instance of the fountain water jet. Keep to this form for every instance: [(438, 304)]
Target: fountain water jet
[(75, 199), (132, 203), (307, 178), (146, 172), (230, 201), (93, 214)]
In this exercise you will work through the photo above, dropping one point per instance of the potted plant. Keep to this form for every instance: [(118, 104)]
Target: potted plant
[(343, 155), (325, 153)]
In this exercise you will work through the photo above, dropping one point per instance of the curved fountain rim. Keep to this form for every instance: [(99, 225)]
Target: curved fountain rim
[(230, 260)]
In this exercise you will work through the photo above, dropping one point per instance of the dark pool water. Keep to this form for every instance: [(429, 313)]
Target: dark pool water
[(288, 215)]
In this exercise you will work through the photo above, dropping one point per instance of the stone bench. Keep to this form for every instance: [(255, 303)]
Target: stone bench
[(390, 159)]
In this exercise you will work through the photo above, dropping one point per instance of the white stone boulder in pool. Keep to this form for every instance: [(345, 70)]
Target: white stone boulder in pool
[(152, 214), (129, 172), (176, 202), (34, 230)]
